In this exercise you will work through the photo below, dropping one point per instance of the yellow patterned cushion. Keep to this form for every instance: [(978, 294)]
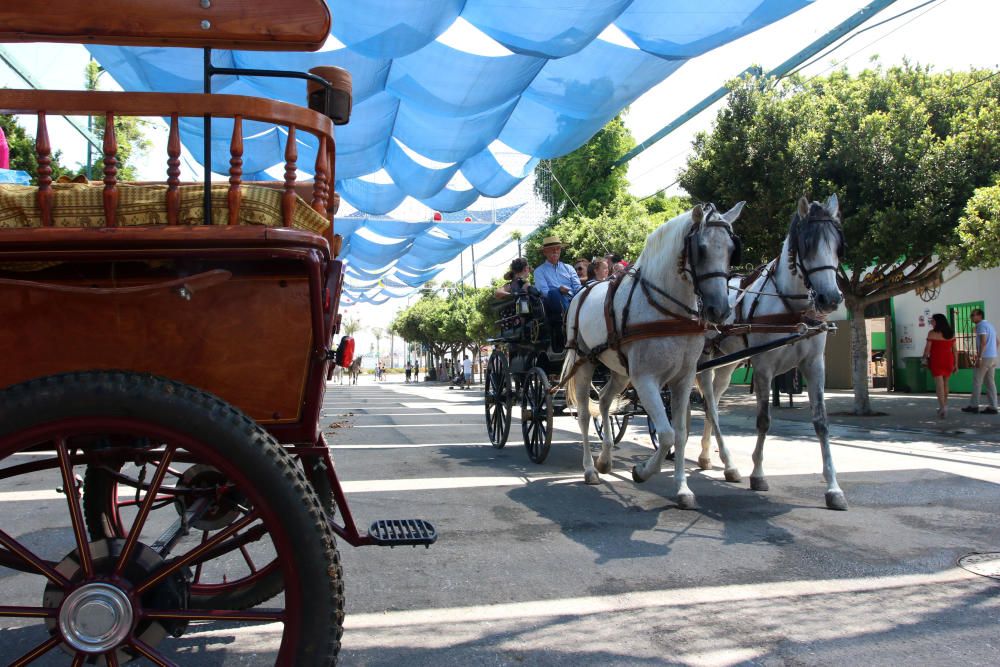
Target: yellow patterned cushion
[(82, 205)]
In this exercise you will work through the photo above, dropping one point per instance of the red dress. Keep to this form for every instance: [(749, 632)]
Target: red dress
[(942, 361)]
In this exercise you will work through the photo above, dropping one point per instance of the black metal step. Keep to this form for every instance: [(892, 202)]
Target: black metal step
[(400, 532)]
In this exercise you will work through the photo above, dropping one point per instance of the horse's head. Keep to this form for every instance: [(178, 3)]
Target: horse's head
[(816, 248), (711, 248)]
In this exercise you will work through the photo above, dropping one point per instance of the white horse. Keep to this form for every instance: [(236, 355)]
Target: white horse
[(801, 283), (337, 375), (657, 334), (354, 370)]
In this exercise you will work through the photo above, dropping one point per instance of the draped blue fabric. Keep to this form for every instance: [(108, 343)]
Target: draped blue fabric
[(549, 83), (381, 251), (444, 91)]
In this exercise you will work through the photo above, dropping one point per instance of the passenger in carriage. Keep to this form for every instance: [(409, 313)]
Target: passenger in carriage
[(517, 277), (597, 271), (558, 283)]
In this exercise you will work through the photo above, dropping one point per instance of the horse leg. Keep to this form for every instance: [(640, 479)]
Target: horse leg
[(680, 397), (815, 373), (608, 395), (717, 388), (762, 390), (706, 380), (648, 390), (581, 396)]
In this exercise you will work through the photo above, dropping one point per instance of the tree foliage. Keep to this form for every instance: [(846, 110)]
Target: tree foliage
[(588, 174), (903, 148), (447, 324), (979, 229), (132, 143), (22, 150), (620, 229)]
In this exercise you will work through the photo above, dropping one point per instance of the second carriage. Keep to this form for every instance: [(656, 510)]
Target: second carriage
[(525, 364)]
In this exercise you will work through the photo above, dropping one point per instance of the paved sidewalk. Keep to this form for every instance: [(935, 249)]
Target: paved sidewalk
[(908, 413)]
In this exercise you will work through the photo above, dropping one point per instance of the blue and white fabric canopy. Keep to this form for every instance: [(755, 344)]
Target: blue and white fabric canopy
[(388, 258), (454, 99)]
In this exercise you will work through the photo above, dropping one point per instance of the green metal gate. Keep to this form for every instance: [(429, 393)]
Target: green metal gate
[(965, 340)]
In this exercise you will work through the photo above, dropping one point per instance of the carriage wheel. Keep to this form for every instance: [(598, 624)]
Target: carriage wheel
[(499, 398), (109, 492), (536, 415), (218, 494), (618, 425)]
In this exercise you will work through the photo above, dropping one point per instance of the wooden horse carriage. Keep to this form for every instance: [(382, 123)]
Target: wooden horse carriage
[(166, 351), (522, 368)]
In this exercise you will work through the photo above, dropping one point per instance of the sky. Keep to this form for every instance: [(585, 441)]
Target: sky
[(945, 34)]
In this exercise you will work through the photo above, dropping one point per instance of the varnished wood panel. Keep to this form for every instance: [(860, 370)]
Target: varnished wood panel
[(264, 25), (247, 339)]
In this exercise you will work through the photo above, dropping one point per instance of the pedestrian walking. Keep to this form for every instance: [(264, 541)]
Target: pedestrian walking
[(985, 364), (409, 372), (941, 357), (467, 369)]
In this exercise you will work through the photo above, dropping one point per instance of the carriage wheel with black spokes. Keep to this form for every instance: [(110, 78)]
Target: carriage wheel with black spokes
[(536, 414), (618, 425), (498, 398), (214, 495)]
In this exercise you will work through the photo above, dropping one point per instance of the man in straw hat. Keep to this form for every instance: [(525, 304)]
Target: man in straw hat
[(558, 283)]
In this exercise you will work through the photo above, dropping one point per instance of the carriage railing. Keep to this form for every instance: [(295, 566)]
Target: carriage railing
[(45, 103)]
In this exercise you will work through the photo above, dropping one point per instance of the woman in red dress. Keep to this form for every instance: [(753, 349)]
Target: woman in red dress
[(941, 357)]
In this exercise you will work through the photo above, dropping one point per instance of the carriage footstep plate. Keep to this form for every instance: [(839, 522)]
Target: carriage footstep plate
[(400, 532), (985, 564)]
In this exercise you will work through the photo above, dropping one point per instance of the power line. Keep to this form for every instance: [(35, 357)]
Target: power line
[(864, 30)]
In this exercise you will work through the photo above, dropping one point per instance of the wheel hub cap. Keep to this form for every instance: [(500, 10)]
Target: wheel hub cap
[(96, 617)]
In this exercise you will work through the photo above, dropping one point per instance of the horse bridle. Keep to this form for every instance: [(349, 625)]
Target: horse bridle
[(796, 249), (687, 266)]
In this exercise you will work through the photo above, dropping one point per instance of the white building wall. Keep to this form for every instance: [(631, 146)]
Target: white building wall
[(911, 313)]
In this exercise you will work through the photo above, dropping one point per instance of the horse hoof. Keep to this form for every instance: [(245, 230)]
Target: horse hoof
[(685, 501), (591, 477), (705, 463), (669, 455), (759, 484), (835, 500), (733, 475), (603, 469), (635, 475)]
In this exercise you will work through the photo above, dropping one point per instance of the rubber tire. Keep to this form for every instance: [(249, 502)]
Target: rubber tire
[(204, 417)]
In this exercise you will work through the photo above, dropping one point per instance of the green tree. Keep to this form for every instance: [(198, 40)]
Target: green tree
[(350, 326), (619, 229), (22, 151), (904, 149), (588, 174), (979, 229), (132, 143)]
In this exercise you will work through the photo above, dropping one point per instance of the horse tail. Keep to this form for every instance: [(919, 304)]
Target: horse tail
[(568, 369)]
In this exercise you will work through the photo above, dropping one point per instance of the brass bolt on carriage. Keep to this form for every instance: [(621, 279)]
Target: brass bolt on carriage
[(167, 350)]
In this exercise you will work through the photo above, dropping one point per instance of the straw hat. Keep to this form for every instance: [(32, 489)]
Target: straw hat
[(551, 242)]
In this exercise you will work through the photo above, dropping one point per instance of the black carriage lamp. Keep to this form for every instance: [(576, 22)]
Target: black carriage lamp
[(328, 91)]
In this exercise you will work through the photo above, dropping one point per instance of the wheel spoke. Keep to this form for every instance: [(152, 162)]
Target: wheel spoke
[(37, 652), (176, 565), (158, 499), (246, 557), (150, 653), (28, 612), (246, 615), (75, 515), (112, 658), (78, 660), (44, 567), (147, 505)]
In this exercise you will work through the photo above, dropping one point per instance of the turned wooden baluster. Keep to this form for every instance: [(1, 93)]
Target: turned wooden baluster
[(235, 171), (288, 196), (173, 172), (110, 171), (319, 178), (44, 150)]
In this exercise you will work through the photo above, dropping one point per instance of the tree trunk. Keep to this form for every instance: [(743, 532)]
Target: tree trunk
[(859, 359)]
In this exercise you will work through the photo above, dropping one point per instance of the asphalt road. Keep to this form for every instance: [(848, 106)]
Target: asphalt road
[(535, 568)]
